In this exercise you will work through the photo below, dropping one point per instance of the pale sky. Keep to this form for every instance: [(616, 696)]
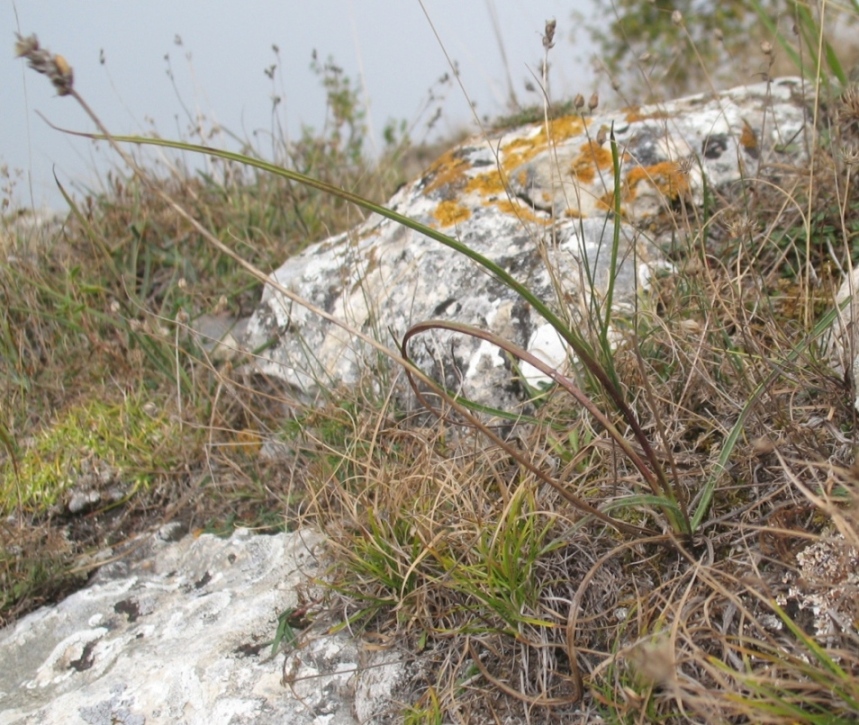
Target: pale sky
[(389, 46)]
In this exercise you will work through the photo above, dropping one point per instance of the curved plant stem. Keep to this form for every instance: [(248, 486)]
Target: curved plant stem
[(579, 346)]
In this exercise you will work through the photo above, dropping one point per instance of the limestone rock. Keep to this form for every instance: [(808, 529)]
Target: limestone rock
[(843, 342), (536, 201), (181, 633)]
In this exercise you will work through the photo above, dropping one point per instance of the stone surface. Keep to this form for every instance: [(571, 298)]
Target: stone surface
[(181, 633), (536, 203), (842, 346)]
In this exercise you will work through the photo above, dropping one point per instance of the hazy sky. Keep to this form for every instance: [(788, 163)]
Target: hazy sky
[(387, 45)]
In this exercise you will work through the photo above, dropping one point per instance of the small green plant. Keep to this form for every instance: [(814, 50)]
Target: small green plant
[(501, 574), (115, 443), (427, 711)]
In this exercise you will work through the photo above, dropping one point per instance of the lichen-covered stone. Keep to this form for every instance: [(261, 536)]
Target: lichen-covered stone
[(824, 590), (536, 200)]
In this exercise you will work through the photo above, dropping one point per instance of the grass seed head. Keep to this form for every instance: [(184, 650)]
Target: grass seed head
[(549, 34), (848, 111), (42, 61)]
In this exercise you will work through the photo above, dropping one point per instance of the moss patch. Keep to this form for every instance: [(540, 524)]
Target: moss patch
[(122, 439)]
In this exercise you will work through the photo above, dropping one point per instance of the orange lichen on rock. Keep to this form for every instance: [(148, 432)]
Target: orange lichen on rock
[(522, 150), (604, 203), (591, 157), (448, 213), (454, 175), (448, 171), (520, 211), (667, 177), (634, 114), (519, 152), (486, 184), (560, 129)]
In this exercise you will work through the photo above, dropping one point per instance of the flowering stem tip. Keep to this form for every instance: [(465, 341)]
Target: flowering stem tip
[(41, 60)]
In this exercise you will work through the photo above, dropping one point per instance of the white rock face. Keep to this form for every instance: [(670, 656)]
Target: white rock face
[(183, 635), (843, 342), (535, 201)]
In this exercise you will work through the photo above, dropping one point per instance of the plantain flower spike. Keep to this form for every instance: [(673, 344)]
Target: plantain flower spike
[(549, 34), (42, 61)]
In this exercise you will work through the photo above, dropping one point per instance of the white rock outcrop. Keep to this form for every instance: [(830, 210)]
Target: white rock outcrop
[(537, 201), (842, 345), (182, 633)]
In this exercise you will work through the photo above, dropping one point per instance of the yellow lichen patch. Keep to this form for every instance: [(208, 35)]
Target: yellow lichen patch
[(560, 129), (521, 150), (448, 171), (605, 202), (667, 177), (486, 184), (448, 213), (591, 157), (634, 114), (522, 212)]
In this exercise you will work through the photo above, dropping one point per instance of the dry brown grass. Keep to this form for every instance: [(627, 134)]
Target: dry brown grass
[(521, 609), (97, 308), (445, 548)]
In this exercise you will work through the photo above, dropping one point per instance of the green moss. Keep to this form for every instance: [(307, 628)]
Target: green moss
[(125, 437)]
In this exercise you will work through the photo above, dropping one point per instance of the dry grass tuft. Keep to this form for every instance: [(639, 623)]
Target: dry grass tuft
[(519, 607)]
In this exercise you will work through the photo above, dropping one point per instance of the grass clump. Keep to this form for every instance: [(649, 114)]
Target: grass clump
[(637, 548)]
